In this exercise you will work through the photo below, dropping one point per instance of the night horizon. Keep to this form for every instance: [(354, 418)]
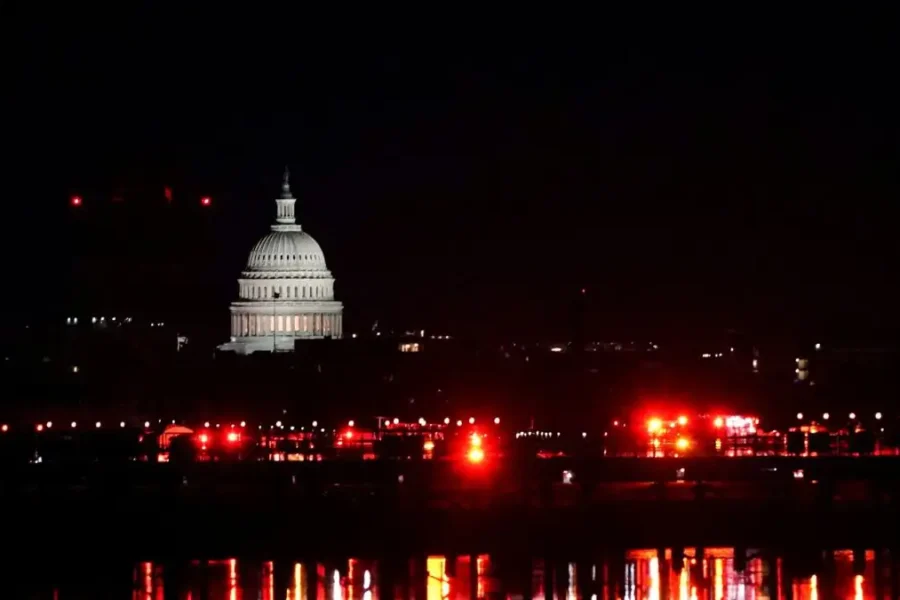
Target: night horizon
[(690, 192)]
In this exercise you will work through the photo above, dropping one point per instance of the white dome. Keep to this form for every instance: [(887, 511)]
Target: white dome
[(290, 250)]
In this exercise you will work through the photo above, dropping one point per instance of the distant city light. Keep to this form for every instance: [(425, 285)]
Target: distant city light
[(471, 420), (852, 415), (206, 424), (428, 446), (718, 422), (121, 423), (75, 201), (459, 423), (818, 346), (878, 416), (146, 423), (584, 434), (396, 421), (682, 420), (40, 427), (278, 424), (799, 416), (654, 425), (205, 201), (422, 421), (475, 455), (315, 423), (826, 416), (4, 428), (446, 420), (74, 424), (496, 420), (49, 424), (74, 368), (682, 444), (97, 424), (243, 423), (204, 438), (232, 437), (351, 423)]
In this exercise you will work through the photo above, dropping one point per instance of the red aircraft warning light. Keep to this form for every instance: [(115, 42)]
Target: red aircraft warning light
[(232, 437), (205, 201), (75, 201)]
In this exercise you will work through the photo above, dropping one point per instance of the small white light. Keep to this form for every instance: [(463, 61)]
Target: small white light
[(75, 369), (496, 420), (74, 424), (818, 346), (396, 420), (826, 416), (277, 423), (206, 424), (584, 434), (146, 423), (422, 421), (446, 420), (292, 427), (351, 423), (459, 423), (799, 416), (471, 420), (97, 424), (315, 423), (121, 423), (852, 415), (878, 416), (243, 423), (49, 424)]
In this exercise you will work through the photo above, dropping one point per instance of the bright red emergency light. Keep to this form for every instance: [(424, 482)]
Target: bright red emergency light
[(205, 201), (75, 201)]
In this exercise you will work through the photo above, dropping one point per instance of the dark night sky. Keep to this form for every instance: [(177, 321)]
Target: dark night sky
[(694, 173)]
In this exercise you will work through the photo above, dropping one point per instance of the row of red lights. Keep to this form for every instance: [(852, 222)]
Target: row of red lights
[(76, 201)]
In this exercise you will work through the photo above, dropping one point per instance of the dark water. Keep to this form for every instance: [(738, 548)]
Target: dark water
[(632, 575)]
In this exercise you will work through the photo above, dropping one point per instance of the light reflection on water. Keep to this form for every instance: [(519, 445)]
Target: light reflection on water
[(683, 574)]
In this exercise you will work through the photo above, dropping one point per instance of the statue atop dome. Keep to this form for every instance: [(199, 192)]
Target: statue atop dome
[(286, 184)]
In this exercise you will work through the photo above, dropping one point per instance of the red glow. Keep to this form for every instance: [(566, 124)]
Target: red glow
[(682, 420), (75, 201), (428, 445), (232, 437), (204, 438), (40, 427), (205, 201), (654, 425), (475, 455), (719, 422), (349, 434), (4, 428)]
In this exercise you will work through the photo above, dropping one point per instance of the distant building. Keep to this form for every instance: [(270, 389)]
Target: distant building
[(286, 292)]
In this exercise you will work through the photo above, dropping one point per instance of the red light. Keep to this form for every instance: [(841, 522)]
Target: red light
[(475, 455), (204, 438), (232, 437), (75, 201), (718, 422), (654, 425), (4, 428), (428, 445), (205, 201), (40, 427), (348, 435), (682, 420), (475, 440)]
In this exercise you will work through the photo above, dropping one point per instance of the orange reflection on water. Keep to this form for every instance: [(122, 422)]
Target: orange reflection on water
[(268, 580), (858, 587), (438, 585), (719, 578), (298, 581)]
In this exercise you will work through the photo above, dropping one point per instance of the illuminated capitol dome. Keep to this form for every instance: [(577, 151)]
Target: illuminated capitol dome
[(286, 292)]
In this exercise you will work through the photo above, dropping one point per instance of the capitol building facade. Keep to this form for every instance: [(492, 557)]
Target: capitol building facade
[(286, 292)]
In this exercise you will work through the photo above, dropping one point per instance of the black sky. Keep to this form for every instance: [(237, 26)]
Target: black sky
[(694, 172)]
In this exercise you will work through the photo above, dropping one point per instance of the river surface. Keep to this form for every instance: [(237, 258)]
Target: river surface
[(645, 574)]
